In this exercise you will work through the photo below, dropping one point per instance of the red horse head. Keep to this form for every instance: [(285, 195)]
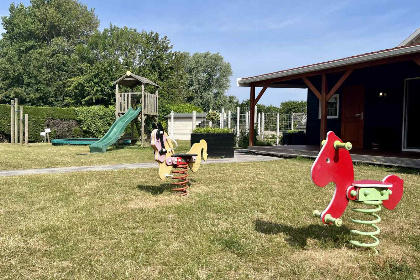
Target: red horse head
[(333, 164)]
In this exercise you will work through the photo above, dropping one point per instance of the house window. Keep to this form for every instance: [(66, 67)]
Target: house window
[(332, 107)]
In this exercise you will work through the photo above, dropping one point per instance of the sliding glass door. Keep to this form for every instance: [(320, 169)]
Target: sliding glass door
[(411, 133)]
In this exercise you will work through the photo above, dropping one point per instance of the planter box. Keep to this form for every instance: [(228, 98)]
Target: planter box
[(218, 144), (294, 138)]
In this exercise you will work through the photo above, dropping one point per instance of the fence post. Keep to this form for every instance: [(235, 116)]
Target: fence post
[(194, 119), (16, 120), (259, 124), (223, 117), (172, 125), (292, 122), (26, 129), (21, 125), (238, 116), (12, 122), (255, 116), (262, 125), (247, 121), (228, 118), (278, 128)]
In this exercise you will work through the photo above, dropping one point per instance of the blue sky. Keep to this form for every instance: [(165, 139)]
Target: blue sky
[(258, 37)]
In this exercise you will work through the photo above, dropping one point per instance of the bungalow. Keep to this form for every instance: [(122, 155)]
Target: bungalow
[(370, 99)]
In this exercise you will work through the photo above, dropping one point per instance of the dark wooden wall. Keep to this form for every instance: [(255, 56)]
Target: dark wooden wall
[(383, 115)]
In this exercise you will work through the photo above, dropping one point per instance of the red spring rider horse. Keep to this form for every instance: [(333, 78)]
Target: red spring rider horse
[(334, 164)]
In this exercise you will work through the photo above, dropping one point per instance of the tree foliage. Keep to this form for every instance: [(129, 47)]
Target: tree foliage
[(292, 106), (286, 107), (110, 53), (37, 49), (208, 81), (52, 54)]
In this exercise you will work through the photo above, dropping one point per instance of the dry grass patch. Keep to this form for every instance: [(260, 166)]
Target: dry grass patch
[(240, 221), (44, 155)]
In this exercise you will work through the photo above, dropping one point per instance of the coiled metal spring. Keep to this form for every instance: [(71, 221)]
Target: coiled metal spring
[(182, 184), (372, 223)]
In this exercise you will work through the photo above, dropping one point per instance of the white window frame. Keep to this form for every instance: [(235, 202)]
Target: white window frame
[(338, 107), (404, 126)]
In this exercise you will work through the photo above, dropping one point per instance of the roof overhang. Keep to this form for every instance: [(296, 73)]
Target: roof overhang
[(132, 80), (413, 39), (280, 78)]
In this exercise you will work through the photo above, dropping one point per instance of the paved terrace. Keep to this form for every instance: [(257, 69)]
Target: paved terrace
[(376, 157), (240, 156)]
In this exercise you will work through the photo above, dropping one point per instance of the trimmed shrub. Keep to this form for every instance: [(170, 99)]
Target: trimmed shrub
[(38, 117), (211, 130), (89, 122), (95, 121)]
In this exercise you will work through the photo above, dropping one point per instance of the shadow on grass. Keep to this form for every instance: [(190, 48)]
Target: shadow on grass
[(329, 236), (155, 190)]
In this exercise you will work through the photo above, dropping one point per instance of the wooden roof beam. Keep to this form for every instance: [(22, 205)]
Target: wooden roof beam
[(417, 60), (339, 83), (260, 94), (312, 87)]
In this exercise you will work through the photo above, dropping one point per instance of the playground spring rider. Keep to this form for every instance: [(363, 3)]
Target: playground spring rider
[(334, 164), (164, 155)]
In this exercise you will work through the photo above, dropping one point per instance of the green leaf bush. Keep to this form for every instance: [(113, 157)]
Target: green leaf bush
[(211, 130), (91, 122), (94, 121)]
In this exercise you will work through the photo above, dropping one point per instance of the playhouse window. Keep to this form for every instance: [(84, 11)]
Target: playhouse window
[(332, 107)]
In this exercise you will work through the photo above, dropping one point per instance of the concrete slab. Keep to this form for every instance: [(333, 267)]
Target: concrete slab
[(309, 152)]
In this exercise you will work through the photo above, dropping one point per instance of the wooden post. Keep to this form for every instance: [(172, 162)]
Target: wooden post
[(12, 123), (194, 119), (323, 132), (157, 102), (16, 120), (21, 125), (117, 102), (278, 129), (142, 115), (229, 118), (26, 129), (252, 115)]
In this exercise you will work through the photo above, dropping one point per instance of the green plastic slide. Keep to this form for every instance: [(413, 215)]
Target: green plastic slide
[(115, 132)]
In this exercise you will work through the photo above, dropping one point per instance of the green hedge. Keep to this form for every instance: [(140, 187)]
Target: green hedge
[(212, 130), (95, 121), (39, 117), (64, 122)]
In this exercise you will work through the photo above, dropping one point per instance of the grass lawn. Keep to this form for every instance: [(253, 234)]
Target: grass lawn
[(43, 155), (240, 221)]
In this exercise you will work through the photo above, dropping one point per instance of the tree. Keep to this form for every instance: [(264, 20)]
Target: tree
[(288, 107), (37, 49), (208, 80), (112, 52)]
